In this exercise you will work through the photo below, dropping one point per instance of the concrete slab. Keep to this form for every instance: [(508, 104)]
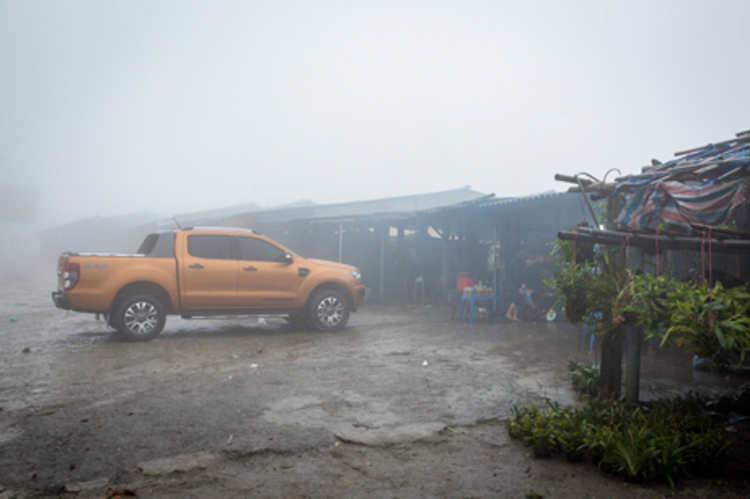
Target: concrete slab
[(178, 464), (99, 483), (385, 436), (8, 432)]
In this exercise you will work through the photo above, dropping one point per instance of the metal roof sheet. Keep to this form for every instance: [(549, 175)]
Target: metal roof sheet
[(375, 207)]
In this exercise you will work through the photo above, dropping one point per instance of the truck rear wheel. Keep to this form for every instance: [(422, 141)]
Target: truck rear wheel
[(329, 310), (140, 317)]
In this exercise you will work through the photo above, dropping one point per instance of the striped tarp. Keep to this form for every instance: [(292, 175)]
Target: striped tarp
[(709, 202)]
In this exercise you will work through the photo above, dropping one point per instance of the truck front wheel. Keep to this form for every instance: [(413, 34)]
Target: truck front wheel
[(140, 317), (329, 310)]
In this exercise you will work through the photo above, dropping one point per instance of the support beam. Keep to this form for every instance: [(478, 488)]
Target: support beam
[(635, 337), (445, 271), (633, 370), (341, 242), (401, 259), (648, 241), (610, 380), (383, 233)]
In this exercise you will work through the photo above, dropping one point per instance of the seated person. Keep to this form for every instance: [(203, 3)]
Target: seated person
[(512, 313)]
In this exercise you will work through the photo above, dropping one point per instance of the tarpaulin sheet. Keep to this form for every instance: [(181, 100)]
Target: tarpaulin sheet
[(709, 202)]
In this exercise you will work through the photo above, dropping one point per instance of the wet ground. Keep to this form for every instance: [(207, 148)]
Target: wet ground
[(403, 402)]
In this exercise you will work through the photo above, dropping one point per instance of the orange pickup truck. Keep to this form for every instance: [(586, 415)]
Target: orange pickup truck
[(206, 272)]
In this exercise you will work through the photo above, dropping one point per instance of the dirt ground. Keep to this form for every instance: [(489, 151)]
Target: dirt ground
[(403, 403)]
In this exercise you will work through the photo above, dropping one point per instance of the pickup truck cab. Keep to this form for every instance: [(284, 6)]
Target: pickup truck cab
[(206, 272)]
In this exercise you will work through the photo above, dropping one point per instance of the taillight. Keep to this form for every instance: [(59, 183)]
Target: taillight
[(71, 273)]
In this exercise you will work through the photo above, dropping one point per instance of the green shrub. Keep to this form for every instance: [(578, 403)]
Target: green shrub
[(713, 320), (597, 290), (589, 284), (662, 441), (585, 378)]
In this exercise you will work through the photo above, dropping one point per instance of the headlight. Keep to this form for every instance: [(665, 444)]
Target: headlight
[(356, 275)]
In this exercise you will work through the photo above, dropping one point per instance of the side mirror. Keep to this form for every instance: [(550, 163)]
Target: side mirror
[(288, 258)]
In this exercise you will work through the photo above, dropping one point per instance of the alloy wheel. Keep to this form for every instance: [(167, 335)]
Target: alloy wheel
[(141, 317), (330, 311)]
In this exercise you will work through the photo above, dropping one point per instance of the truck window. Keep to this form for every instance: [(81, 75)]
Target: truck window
[(209, 246), (258, 250), (158, 244), (147, 246)]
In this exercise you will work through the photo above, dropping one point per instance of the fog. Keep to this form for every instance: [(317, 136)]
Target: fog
[(110, 108)]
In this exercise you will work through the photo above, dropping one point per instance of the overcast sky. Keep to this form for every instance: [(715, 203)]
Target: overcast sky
[(114, 107)]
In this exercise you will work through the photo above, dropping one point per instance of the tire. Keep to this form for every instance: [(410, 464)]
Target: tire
[(329, 310), (139, 318)]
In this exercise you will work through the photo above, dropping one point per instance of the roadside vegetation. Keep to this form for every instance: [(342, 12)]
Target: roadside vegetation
[(595, 289), (663, 441), (659, 441), (584, 378)]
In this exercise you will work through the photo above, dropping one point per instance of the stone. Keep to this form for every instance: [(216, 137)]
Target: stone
[(177, 464), (385, 436), (99, 483)]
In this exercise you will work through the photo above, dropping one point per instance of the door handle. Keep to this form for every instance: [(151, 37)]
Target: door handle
[(196, 266), (249, 268)]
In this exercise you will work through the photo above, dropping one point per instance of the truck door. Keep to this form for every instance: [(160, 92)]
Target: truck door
[(209, 273), (266, 279)]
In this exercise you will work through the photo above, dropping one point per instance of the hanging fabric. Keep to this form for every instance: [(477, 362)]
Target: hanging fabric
[(703, 258), (656, 244), (710, 262)]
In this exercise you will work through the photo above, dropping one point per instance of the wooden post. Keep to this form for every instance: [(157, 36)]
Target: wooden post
[(445, 277), (635, 337), (610, 380), (611, 369), (401, 258), (341, 241), (494, 264), (633, 372), (383, 234)]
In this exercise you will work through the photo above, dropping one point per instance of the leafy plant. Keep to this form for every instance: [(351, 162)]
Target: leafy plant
[(572, 282), (523, 420), (589, 281), (585, 378), (664, 440), (571, 437), (652, 300), (598, 291), (714, 321)]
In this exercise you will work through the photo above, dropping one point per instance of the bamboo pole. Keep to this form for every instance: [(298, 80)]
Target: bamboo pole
[(648, 242), (722, 143), (572, 179)]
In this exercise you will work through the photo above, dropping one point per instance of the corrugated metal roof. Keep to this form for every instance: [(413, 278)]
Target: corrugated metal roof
[(401, 208), (491, 201), (377, 207), (209, 216), (484, 202)]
